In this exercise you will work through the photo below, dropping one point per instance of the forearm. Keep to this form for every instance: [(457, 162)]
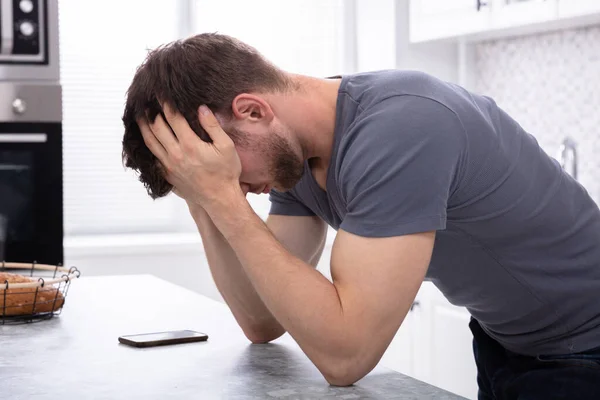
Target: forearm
[(252, 315), (302, 299)]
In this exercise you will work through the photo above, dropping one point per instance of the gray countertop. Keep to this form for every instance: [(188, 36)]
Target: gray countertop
[(77, 355)]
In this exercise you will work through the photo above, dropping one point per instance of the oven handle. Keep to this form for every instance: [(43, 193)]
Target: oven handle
[(6, 35), (13, 167), (23, 137)]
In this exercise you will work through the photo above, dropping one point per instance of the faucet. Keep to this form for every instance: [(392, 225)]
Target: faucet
[(567, 146)]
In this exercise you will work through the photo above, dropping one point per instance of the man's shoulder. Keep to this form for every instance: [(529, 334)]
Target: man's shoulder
[(388, 125), (369, 88), (400, 120), (385, 133)]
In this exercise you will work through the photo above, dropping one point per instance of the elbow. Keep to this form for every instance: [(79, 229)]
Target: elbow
[(344, 373), (340, 380), (259, 339), (348, 366), (261, 335)]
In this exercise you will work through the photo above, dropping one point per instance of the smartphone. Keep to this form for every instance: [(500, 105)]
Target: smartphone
[(163, 338)]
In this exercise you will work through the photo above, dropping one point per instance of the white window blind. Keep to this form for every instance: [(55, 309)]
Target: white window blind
[(300, 36), (101, 44)]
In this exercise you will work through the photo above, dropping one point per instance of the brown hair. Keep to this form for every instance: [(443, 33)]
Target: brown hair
[(209, 69)]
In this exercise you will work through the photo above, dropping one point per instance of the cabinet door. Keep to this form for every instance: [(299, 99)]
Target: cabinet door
[(514, 13), (574, 8), (439, 19), (402, 351), (447, 355)]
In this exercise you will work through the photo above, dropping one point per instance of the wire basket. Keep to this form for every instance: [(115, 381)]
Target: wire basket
[(38, 298)]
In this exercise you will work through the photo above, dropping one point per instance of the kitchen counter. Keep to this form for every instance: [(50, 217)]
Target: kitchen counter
[(77, 355)]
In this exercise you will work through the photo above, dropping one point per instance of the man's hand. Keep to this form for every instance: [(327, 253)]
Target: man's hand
[(202, 173)]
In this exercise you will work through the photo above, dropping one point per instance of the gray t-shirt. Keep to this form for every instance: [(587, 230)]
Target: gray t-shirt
[(518, 240)]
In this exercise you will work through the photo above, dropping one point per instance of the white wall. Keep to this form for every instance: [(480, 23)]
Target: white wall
[(439, 59), (178, 258), (549, 84), (382, 42)]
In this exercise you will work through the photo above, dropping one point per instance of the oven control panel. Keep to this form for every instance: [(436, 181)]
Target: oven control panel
[(23, 32)]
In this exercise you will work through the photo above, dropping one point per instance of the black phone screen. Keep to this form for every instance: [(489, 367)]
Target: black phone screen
[(163, 338)]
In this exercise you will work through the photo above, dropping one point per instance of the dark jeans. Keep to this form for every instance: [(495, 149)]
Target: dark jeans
[(504, 375)]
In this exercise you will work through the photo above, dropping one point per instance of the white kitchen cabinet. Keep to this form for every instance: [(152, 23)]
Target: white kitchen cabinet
[(434, 344), (402, 352), (437, 19), (476, 20), (516, 13), (447, 352), (576, 8)]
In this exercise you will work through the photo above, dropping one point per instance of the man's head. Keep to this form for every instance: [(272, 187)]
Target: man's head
[(234, 81)]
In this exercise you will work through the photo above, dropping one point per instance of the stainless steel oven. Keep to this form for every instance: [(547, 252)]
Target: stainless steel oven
[(31, 182), (31, 189), (24, 31), (29, 40)]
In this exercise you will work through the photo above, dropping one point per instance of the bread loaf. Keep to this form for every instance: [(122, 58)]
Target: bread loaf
[(21, 301)]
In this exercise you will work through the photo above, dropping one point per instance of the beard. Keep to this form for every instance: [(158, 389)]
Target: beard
[(286, 167)]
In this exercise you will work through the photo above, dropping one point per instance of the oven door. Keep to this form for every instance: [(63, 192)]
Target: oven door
[(31, 192)]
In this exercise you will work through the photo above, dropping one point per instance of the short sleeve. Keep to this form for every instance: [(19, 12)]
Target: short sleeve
[(400, 166), (285, 203)]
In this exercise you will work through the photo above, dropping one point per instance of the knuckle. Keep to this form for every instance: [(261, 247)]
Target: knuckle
[(228, 145), (229, 148), (212, 125), (177, 157), (187, 146)]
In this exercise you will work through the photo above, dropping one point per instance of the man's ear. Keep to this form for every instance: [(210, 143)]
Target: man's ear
[(252, 108)]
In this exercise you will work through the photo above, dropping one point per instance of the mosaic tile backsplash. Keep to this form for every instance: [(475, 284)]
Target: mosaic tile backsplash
[(550, 84)]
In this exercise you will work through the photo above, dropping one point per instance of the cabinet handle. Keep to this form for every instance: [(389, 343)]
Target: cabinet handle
[(415, 303), (481, 4), (23, 138)]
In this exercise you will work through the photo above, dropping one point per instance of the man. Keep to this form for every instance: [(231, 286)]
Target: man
[(421, 178)]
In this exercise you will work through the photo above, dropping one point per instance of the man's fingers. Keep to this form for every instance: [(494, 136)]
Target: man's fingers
[(163, 133), (211, 125), (178, 123), (152, 142)]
